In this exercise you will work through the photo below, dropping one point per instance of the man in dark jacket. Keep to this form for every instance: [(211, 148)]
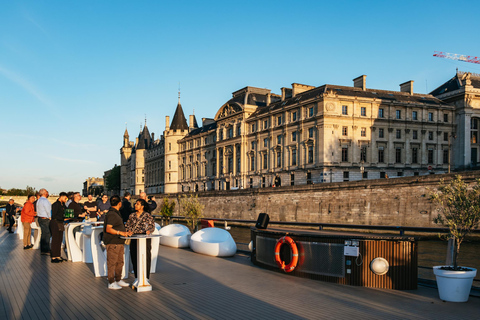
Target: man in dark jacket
[(126, 207), (10, 211), (151, 204)]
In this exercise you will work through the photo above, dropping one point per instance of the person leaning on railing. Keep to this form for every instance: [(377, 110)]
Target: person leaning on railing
[(140, 222)]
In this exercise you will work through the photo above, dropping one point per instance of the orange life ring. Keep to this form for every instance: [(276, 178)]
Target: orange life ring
[(291, 266)]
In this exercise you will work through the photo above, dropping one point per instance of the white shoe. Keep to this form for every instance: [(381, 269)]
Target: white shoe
[(114, 286), (135, 283), (122, 283)]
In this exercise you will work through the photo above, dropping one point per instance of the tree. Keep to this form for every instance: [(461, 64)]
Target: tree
[(458, 205), (112, 182), (167, 208), (192, 209)]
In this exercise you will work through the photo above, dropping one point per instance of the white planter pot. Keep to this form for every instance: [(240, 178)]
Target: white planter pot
[(454, 286)]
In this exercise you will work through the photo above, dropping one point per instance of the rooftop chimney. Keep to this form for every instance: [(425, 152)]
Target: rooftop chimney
[(407, 87), (286, 93), (269, 99), (167, 123), (190, 122), (299, 88), (360, 82)]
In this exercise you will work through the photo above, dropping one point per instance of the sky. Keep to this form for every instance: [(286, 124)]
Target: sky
[(75, 74)]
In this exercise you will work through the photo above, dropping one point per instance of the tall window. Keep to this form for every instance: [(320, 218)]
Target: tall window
[(279, 120), (294, 157), (430, 135), (414, 115), (474, 131), (398, 155), (294, 116), (253, 145), (398, 114), (279, 159), (279, 139), (230, 132), (252, 163), (310, 154), (445, 117), (344, 131), (363, 111), (294, 136), (363, 132), (363, 154), (414, 155), (414, 134), (381, 155), (253, 127), (310, 112), (265, 124), (344, 154), (239, 130), (445, 136), (381, 133), (445, 156), (399, 134), (430, 156), (430, 116), (310, 132), (265, 161), (345, 110), (265, 142), (381, 113)]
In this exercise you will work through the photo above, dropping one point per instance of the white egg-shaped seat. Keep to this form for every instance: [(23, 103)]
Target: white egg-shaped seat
[(213, 242), (175, 235)]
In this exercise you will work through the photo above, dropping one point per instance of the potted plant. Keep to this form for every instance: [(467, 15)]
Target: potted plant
[(167, 209), (458, 206)]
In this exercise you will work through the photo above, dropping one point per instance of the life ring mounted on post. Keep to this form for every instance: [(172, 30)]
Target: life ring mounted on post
[(293, 263)]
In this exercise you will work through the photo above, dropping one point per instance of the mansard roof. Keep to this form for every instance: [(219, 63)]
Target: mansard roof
[(334, 90), (245, 96), (457, 82), (179, 122), (205, 128)]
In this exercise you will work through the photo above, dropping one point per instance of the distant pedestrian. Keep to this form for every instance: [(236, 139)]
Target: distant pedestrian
[(44, 214), (113, 229), (151, 205), (57, 227), (10, 211), (90, 207), (126, 209), (102, 207), (27, 217)]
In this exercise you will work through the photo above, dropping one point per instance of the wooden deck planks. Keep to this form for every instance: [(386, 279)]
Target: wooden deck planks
[(192, 286)]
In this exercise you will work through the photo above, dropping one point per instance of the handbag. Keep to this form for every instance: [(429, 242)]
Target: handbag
[(61, 226)]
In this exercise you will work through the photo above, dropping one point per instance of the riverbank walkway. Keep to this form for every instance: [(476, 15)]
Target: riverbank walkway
[(188, 285)]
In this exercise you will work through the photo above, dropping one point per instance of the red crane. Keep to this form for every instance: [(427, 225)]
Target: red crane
[(456, 56)]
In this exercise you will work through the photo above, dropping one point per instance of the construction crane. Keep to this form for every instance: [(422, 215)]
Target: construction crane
[(456, 56)]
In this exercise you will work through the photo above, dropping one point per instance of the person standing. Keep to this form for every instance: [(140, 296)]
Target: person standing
[(113, 229), (90, 207), (78, 211), (126, 209), (140, 222), (44, 214), (57, 227), (103, 206), (27, 217), (10, 211), (151, 204)]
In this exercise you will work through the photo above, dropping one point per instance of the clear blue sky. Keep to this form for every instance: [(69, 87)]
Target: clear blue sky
[(72, 73)]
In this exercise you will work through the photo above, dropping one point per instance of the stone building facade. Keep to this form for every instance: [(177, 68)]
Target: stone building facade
[(463, 92), (310, 135)]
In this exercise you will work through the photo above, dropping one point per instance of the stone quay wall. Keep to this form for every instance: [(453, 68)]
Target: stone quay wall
[(389, 202)]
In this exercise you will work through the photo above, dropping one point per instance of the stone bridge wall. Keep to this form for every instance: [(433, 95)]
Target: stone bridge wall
[(394, 202)]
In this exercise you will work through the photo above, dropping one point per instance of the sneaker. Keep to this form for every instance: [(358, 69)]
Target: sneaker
[(30, 246), (122, 283), (27, 247), (114, 286)]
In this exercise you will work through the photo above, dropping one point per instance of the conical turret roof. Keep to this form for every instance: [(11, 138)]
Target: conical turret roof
[(179, 122), (144, 139)]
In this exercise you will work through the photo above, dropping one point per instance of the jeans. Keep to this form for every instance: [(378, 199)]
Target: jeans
[(45, 238), (11, 221)]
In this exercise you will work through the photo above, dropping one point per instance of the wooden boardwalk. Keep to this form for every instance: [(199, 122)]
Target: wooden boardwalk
[(193, 286)]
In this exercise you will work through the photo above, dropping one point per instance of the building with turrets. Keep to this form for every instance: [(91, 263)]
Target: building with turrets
[(125, 155), (174, 132)]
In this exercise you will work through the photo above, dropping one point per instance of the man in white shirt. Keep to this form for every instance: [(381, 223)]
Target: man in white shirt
[(44, 214)]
